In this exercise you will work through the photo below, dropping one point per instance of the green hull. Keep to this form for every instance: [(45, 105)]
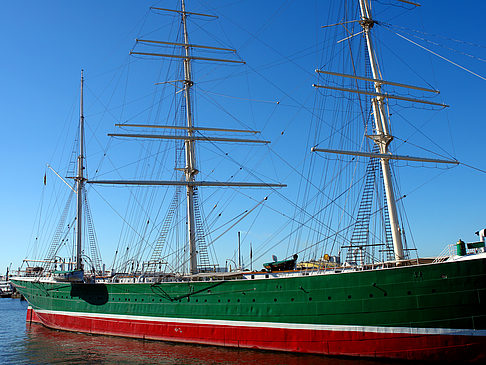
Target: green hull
[(446, 295)]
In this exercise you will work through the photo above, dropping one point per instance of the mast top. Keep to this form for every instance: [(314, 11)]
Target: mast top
[(183, 12)]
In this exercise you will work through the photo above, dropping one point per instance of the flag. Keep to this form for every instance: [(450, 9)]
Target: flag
[(45, 179)]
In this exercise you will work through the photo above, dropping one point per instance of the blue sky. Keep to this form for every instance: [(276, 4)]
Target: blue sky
[(46, 44)]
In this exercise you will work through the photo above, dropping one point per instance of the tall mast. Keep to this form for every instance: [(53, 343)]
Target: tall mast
[(80, 180), (382, 137), (190, 169)]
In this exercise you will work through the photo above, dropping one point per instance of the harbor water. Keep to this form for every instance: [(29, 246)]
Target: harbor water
[(23, 343)]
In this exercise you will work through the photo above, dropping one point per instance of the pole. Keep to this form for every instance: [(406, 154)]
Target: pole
[(239, 251), (190, 170), (382, 137), (80, 181)]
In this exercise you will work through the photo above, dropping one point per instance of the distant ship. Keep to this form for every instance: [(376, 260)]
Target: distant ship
[(400, 307), (6, 289)]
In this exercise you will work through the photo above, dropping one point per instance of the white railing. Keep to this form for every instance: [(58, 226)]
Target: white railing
[(447, 252)]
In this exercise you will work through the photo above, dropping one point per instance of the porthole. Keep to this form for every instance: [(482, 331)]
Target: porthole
[(253, 300), (409, 292), (275, 299), (349, 296), (310, 298), (292, 299), (329, 298)]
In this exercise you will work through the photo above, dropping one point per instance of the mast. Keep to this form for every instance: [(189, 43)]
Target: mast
[(80, 180), (382, 137), (190, 168), (190, 138)]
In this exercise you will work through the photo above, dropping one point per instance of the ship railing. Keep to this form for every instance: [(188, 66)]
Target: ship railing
[(447, 252)]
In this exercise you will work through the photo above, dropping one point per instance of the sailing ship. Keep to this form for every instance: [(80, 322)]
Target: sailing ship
[(398, 307)]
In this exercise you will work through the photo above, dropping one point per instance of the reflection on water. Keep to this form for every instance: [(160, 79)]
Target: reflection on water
[(35, 344)]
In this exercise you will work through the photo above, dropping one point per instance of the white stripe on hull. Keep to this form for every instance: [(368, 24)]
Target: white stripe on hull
[(302, 326)]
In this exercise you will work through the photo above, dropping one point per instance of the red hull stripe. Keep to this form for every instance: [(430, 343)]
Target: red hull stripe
[(32, 315), (277, 325), (356, 341)]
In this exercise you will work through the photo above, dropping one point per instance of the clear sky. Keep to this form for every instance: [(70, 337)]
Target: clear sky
[(46, 44)]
